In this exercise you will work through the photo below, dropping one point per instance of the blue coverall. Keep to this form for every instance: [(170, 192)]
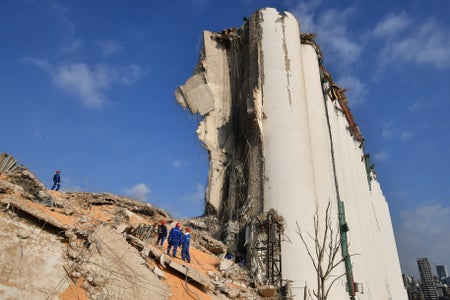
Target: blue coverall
[(185, 240), (174, 240), (56, 181)]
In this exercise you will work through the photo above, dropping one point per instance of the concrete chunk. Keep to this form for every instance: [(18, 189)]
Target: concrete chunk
[(196, 95)]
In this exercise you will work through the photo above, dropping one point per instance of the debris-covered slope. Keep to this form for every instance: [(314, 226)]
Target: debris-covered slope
[(67, 245)]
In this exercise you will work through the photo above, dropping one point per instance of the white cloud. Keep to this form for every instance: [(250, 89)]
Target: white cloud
[(129, 74), (89, 84), (305, 12), (391, 25), (426, 43), (414, 106), (406, 135), (381, 156), (386, 132), (139, 192), (179, 163), (109, 47), (72, 46), (423, 232), (357, 91), (41, 63), (331, 27), (197, 196)]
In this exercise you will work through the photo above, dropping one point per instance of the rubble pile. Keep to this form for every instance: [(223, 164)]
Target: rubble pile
[(76, 245)]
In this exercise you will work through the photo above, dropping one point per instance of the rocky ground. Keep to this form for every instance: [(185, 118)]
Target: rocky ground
[(73, 245)]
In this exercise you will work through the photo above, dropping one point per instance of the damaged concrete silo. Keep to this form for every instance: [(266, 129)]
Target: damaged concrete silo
[(283, 147)]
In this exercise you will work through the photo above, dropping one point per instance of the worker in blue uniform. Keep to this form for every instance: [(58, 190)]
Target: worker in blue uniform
[(174, 239), (185, 241), (57, 180)]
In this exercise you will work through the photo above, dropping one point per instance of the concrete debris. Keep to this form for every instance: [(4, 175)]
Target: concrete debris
[(135, 242), (33, 212), (97, 245), (208, 233), (24, 234), (158, 272), (225, 264), (230, 292), (111, 259), (196, 95), (267, 291), (182, 268), (8, 164), (28, 182), (161, 260)]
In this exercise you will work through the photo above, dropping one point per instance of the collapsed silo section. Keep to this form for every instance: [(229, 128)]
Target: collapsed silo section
[(224, 91)]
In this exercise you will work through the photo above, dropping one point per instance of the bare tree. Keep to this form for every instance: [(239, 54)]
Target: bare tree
[(324, 253)]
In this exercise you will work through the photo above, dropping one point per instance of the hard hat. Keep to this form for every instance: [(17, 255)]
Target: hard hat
[(163, 222), (178, 225), (188, 229)]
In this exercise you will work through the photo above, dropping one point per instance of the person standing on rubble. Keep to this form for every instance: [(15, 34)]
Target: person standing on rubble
[(56, 180), (174, 239), (185, 241), (162, 233)]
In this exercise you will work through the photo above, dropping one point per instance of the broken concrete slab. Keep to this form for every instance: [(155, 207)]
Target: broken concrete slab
[(35, 213), (113, 259), (31, 261), (196, 95), (183, 268)]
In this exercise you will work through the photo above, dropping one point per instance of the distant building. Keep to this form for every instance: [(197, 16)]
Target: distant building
[(441, 272), (428, 284), (446, 281), (413, 288)]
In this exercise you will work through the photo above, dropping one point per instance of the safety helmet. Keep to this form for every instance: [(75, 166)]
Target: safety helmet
[(163, 222), (178, 225), (188, 229)]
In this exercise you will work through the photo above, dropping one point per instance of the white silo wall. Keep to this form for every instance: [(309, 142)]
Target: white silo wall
[(289, 186), (393, 278), (371, 241), (321, 157), (299, 170)]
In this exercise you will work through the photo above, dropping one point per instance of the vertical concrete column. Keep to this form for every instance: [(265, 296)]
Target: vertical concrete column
[(322, 157), (289, 184)]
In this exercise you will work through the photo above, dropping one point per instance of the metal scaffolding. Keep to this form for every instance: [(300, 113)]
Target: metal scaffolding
[(265, 248)]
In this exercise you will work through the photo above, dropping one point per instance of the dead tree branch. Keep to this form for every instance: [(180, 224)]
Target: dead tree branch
[(325, 253)]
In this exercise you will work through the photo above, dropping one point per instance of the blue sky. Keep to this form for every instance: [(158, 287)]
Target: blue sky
[(87, 87)]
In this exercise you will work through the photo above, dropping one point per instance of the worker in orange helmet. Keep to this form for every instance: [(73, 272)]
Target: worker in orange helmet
[(174, 239)]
